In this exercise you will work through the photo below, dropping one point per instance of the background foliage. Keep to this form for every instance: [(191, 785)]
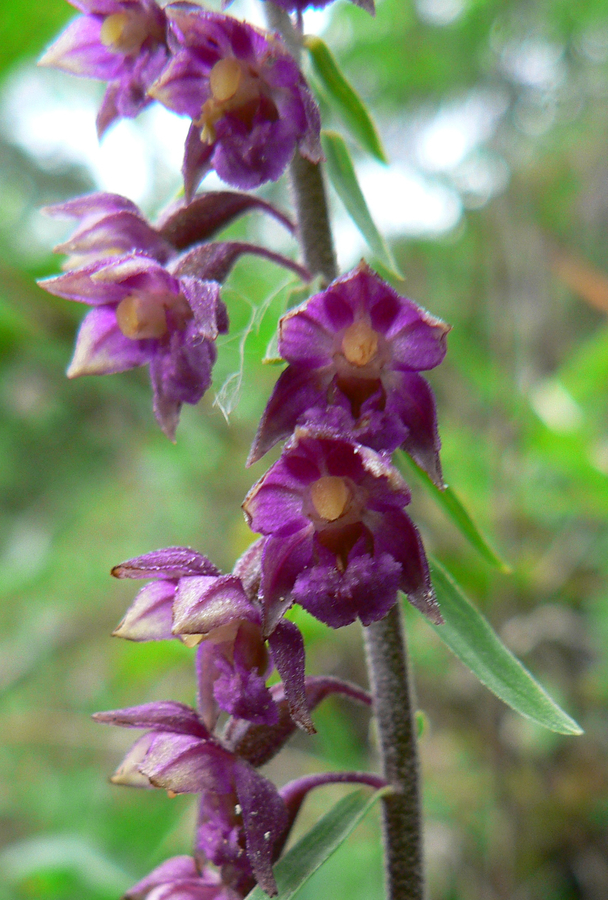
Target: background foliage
[(497, 108)]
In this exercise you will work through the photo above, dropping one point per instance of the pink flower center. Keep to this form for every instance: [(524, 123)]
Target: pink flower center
[(141, 316), (125, 32), (359, 344), (330, 497), (236, 89)]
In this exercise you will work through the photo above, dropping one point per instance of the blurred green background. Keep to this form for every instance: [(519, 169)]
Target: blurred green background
[(495, 116)]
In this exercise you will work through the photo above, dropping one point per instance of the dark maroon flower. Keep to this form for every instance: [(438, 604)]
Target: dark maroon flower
[(355, 351), (242, 813), (122, 42), (338, 539), (191, 599), (142, 314), (249, 103)]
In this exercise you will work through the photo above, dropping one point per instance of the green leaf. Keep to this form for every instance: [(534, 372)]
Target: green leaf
[(348, 104), (453, 506), (311, 851), (344, 179), (471, 638)]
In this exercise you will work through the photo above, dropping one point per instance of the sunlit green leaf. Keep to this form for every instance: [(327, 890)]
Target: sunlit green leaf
[(347, 102), (344, 179), (454, 508), (469, 635), (311, 851)]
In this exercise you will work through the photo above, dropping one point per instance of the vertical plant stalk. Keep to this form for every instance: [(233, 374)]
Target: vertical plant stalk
[(402, 819), (306, 178), (385, 642)]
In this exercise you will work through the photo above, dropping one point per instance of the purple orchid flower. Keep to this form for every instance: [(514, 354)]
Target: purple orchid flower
[(192, 600), (355, 351), (249, 103), (242, 814), (142, 314), (338, 540), (123, 42)]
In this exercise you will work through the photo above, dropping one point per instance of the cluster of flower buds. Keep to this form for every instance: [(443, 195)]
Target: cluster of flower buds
[(335, 537)]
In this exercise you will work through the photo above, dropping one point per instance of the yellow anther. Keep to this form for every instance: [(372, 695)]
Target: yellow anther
[(140, 317), (124, 32), (330, 495), (225, 78), (359, 344)]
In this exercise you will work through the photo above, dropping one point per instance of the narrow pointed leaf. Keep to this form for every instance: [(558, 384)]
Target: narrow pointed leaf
[(455, 509), (295, 868), (471, 638), (347, 102), (344, 179)]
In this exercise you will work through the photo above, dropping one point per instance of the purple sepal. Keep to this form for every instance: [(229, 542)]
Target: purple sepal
[(171, 562), (250, 135), (338, 540), (258, 744), (179, 879), (150, 616), (162, 716), (355, 351), (287, 645)]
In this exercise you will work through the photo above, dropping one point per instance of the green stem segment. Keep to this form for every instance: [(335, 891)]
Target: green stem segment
[(402, 820), (385, 643), (308, 189)]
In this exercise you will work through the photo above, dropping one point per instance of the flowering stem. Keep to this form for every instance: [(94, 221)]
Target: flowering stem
[(385, 641), (308, 190), (402, 823)]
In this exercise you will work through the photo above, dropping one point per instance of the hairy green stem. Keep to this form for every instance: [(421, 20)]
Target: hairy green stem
[(402, 820), (306, 179), (385, 642)]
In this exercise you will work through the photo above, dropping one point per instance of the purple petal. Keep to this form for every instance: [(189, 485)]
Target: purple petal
[(208, 310), (178, 879), (102, 349), (150, 617), (186, 765), (172, 562), (80, 286), (205, 604)]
